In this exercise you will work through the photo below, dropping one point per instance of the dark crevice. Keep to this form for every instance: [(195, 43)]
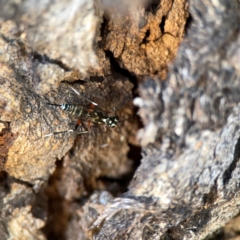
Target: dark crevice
[(57, 213), (212, 195), (188, 23), (218, 235), (119, 185), (103, 31), (116, 69), (98, 79), (135, 155), (22, 182), (116, 186), (147, 34), (44, 59), (228, 172), (115, 66), (5, 186), (162, 24)]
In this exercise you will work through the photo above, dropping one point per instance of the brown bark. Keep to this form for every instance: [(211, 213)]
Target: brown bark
[(55, 187)]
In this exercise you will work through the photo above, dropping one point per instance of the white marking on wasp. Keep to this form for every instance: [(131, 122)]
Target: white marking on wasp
[(104, 120)]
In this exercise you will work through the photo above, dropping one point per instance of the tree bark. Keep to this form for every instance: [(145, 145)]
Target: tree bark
[(187, 184)]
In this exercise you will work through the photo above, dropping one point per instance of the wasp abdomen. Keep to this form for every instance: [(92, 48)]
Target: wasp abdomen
[(74, 110)]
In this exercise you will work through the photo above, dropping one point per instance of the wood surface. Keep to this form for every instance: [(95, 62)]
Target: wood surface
[(177, 61)]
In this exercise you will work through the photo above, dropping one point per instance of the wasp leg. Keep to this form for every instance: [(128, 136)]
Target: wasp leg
[(79, 123), (56, 133), (89, 126)]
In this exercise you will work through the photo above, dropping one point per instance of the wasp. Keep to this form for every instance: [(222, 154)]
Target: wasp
[(88, 114)]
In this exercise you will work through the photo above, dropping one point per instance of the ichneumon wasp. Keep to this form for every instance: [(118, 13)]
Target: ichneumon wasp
[(93, 113)]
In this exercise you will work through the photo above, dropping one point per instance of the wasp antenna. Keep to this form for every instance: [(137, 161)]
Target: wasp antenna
[(48, 135), (52, 104), (84, 97), (67, 131)]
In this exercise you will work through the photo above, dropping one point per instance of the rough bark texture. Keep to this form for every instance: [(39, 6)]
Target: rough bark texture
[(57, 187), (187, 185)]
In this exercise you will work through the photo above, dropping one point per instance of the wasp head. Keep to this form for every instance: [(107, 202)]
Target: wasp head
[(111, 121)]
